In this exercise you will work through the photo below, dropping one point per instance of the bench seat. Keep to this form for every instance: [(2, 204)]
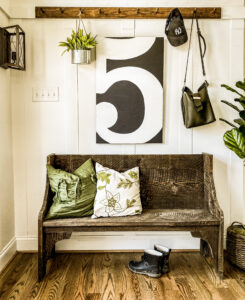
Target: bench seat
[(150, 218)]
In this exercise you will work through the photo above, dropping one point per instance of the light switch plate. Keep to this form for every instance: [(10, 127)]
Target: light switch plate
[(46, 94)]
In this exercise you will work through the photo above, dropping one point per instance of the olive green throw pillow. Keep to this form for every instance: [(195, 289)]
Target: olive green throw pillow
[(74, 193)]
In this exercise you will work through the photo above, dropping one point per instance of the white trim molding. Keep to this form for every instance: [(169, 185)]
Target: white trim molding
[(7, 253), (116, 241)]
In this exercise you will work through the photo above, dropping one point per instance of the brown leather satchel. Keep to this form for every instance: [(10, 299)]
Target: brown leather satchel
[(196, 107)]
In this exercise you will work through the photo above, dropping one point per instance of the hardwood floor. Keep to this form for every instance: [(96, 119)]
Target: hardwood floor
[(98, 276)]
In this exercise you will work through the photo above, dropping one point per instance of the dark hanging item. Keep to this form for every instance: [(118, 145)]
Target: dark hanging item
[(175, 28), (196, 106), (12, 48)]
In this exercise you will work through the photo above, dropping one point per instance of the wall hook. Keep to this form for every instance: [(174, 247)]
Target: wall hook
[(119, 10), (80, 12), (138, 10), (100, 11)]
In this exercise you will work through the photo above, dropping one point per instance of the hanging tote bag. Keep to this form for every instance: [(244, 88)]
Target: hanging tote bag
[(196, 106)]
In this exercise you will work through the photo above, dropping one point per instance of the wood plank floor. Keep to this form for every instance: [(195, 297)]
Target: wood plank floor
[(105, 276)]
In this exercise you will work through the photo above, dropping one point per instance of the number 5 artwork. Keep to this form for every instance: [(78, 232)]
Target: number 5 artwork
[(129, 90)]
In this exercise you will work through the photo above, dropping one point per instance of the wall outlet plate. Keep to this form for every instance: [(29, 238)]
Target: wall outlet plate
[(45, 94)]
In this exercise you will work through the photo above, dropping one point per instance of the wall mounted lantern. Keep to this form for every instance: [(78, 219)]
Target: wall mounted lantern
[(12, 48)]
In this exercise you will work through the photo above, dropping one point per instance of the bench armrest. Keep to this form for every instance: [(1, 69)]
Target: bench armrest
[(48, 197), (209, 188), (46, 202)]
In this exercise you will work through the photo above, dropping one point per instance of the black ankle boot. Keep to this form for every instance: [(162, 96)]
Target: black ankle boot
[(165, 257), (150, 264)]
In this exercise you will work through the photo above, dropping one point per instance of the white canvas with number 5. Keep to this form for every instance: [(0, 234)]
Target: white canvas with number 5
[(129, 90)]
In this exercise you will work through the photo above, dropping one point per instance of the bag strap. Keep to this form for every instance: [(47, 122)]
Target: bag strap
[(202, 53)]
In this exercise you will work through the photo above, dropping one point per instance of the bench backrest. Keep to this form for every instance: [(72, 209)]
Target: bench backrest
[(166, 181)]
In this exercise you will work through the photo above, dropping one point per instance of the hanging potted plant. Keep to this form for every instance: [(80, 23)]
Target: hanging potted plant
[(234, 139), (81, 46)]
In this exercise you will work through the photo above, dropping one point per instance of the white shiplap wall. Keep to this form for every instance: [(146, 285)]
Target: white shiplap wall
[(68, 126), (7, 234)]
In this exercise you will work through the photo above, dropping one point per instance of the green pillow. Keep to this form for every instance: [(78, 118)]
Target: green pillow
[(74, 193)]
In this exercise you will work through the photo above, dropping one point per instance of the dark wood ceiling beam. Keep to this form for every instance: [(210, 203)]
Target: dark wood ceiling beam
[(123, 12)]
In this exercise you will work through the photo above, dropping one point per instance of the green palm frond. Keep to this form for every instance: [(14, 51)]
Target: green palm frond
[(234, 139)]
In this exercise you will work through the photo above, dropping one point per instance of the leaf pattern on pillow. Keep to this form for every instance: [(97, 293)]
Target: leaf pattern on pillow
[(101, 187), (130, 203), (133, 174), (104, 177), (124, 184)]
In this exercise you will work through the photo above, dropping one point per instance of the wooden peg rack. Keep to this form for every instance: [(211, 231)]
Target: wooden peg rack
[(124, 12)]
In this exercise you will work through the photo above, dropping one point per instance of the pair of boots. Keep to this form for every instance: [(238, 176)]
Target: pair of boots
[(153, 263)]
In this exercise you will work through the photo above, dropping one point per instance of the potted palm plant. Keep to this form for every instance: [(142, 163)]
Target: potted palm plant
[(234, 139), (81, 46)]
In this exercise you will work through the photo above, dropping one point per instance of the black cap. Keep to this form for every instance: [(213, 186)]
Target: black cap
[(175, 28)]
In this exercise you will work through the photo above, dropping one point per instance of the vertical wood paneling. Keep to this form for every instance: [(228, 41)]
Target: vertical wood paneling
[(41, 128), (6, 159), (68, 126), (209, 138), (236, 72), (87, 87)]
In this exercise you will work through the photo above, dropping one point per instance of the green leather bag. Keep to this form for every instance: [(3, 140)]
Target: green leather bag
[(196, 107)]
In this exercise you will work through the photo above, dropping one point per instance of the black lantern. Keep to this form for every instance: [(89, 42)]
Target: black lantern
[(12, 48)]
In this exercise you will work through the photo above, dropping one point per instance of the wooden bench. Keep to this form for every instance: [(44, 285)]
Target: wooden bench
[(177, 193)]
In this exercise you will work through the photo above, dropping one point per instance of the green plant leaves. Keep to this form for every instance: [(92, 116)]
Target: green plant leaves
[(241, 85), (79, 41), (235, 141), (242, 129), (242, 114), (231, 89), (239, 121), (227, 122), (241, 101), (231, 105)]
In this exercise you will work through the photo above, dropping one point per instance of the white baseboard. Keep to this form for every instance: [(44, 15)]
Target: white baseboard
[(116, 241), (7, 253)]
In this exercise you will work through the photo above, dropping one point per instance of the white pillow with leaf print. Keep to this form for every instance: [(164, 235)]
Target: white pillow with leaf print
[(118, 194)]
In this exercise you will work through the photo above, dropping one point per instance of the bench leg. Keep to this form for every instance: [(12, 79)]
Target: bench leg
[(52, 239), (46, 249), (212, 244), (204, 248), (42, 259)]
